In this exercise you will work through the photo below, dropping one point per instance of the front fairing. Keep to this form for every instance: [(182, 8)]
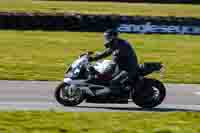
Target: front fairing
[(75, 71)]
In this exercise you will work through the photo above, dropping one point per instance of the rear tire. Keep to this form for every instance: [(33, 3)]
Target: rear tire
[(63, 101), (149, 94)]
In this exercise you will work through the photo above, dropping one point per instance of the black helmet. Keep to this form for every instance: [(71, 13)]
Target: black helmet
[(109, 35)]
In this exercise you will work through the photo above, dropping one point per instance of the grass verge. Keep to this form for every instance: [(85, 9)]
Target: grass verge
[(38, 55), (180, 10), (57, 122)]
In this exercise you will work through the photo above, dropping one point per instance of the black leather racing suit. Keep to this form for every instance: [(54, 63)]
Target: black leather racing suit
[(124, 56)]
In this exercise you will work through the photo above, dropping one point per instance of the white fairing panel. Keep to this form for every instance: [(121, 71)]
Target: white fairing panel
[(101, 66), (67, 80)]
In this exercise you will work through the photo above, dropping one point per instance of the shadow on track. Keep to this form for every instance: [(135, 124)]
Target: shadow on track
[(163, 109)]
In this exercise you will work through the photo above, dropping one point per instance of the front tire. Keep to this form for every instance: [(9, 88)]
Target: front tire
[(64, 101), (149, 94)]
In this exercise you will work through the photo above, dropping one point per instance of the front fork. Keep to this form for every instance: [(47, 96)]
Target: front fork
[(85, 89)]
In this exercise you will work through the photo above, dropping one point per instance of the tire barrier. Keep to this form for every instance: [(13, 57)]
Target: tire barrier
[(98, 23)]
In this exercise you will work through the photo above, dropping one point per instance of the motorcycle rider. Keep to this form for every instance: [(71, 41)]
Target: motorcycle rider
[(123, 55)]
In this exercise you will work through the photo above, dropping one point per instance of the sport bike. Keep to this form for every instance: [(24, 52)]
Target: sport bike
[(90, 82)]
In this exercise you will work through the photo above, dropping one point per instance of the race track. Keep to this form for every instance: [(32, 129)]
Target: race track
[(38, 95)]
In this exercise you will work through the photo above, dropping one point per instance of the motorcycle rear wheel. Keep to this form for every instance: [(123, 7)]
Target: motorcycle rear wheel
[(150, 94), (64, 101)]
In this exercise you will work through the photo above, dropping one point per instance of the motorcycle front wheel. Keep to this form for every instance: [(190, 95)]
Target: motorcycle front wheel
[(149, 94), (67, 95)]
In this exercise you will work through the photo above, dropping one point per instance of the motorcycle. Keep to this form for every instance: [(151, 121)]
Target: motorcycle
[(90, 82)]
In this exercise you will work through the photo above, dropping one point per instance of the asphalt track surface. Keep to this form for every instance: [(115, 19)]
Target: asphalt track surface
[(38, 95)]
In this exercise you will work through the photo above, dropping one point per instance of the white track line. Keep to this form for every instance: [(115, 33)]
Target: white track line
[(197, 93)]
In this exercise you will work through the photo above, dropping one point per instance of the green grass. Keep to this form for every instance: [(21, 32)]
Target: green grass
[(180, 10), (38, 55), (57, 122)]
